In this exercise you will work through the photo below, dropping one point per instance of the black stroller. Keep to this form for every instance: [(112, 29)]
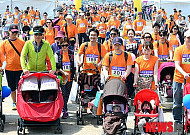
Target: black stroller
[(26, 33)]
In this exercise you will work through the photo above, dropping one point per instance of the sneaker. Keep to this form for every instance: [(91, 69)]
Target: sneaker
[(65, 115), (14, 106)]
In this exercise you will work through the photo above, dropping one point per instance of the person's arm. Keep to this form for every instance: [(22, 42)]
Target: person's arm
[(171, 54), (156, 73), (23, 58), (51, 58), (127, 72), (136, 74), (178, 67), (106, 72), (77, 40), (156, 52), (79, 60)]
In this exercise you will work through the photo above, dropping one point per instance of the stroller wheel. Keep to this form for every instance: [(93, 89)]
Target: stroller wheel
[(58, 130), (18, 130), (23, 130), (3, 118), (1, 126), (80, 120), (99, 120)]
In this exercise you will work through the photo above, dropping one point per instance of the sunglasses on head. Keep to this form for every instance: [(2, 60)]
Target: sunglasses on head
[(162, 35), (38, 34), (113, 34), (48, 22), (147, 37)]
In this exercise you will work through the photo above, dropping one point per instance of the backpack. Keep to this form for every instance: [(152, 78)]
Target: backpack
[(166, 44), (86, 46)]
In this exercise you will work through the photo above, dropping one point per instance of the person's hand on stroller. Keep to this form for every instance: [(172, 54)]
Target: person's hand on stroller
[(186, 76), (25, 71), (1, 68), (52, 72), (156, 85), (79, 64), (97, 65), (135, 85)]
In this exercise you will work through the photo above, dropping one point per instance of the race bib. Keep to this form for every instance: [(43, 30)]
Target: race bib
[(91, 58), (163, 58), (186, 59), (128, 27), (96, 22), (117, 71), (82, 25), (146, 73), (132, 46), (139, 24), (102, 32), (174, 47), (113, 27), (66, 66)]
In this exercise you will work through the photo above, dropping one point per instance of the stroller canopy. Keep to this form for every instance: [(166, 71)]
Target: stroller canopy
[(166, 67), (146, 95), (115, 87)]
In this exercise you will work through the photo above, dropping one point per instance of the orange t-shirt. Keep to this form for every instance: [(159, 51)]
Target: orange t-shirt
[(163, 51), (26, 20), (66, 65), (32, 12), (96, 19), (71, 29), (82, 25), (139, 24), (12, 58), (118, 65), (114, 24), (126, 27), (175, 16), (91, 55), (62, 23), (164, 15), (155, 37), (42, 22), (37, 15), (16, 18), (5, 15), (107, 46), (102, 27), (182, 54), (170, 24), (2, 59), (50, 35), (146, 67), (174, 42)]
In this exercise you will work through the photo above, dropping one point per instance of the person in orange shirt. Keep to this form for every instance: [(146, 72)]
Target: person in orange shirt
[(173, 38), (92, 58), (95, 18), (164, 16), (113, 22), (37, 17), (43, 21), (102, 28), (13, 68), (33, 14), (156, 29), (65, 66), (162, 50), (82, 25), (140, 24), (121, 62), (71, 32), (108, 44), (182, 70), (6, 13), (146, 66), (26, 19), (175, 15), (169, 23), (17, 16), (89, 19), (127, 25)]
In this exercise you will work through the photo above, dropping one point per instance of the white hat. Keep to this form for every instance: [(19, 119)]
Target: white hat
[(81, 14), (69, 17), (187, 33)]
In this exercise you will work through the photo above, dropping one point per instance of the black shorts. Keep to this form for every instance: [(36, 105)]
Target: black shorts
[(13, 78)]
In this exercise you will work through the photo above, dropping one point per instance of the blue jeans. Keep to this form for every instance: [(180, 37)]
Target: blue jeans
[(177, 101), (82, 35)]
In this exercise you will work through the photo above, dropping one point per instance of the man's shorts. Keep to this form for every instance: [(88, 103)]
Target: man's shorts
[(13, 78)]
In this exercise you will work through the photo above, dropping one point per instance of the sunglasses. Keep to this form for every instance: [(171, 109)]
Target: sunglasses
[(48, 22), (148, 37), (113, 34), (65, 45), (38, 34), (15, 32), (175, 28), (162, 35)]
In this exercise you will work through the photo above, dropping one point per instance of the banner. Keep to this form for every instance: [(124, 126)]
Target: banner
[(77, 4), (137, 4)]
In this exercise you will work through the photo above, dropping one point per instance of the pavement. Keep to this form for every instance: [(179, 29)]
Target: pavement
[(69, 125)]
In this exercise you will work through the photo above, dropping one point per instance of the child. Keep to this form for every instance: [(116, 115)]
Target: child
[(167, 78), (116, 108), (27, 97), (146, 108)]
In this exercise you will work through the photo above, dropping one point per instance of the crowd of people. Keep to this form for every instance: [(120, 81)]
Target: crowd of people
[(111, 38)]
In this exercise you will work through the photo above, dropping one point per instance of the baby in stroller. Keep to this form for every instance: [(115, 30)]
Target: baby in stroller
[(167, 85), (146, 108)]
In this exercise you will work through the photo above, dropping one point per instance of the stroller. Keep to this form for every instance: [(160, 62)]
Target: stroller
[(84, 97), (26, 33), (2, 117), (140, 96), (115, 96), (186, 117), (166, 87), (6, 31), (39, 101)]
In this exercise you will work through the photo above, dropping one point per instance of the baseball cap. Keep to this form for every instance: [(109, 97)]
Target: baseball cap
[(117, 40), (38, 29), (69, 17), (13, 28), (60, 34), (187, 33), (81, 14), (139, 13)]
